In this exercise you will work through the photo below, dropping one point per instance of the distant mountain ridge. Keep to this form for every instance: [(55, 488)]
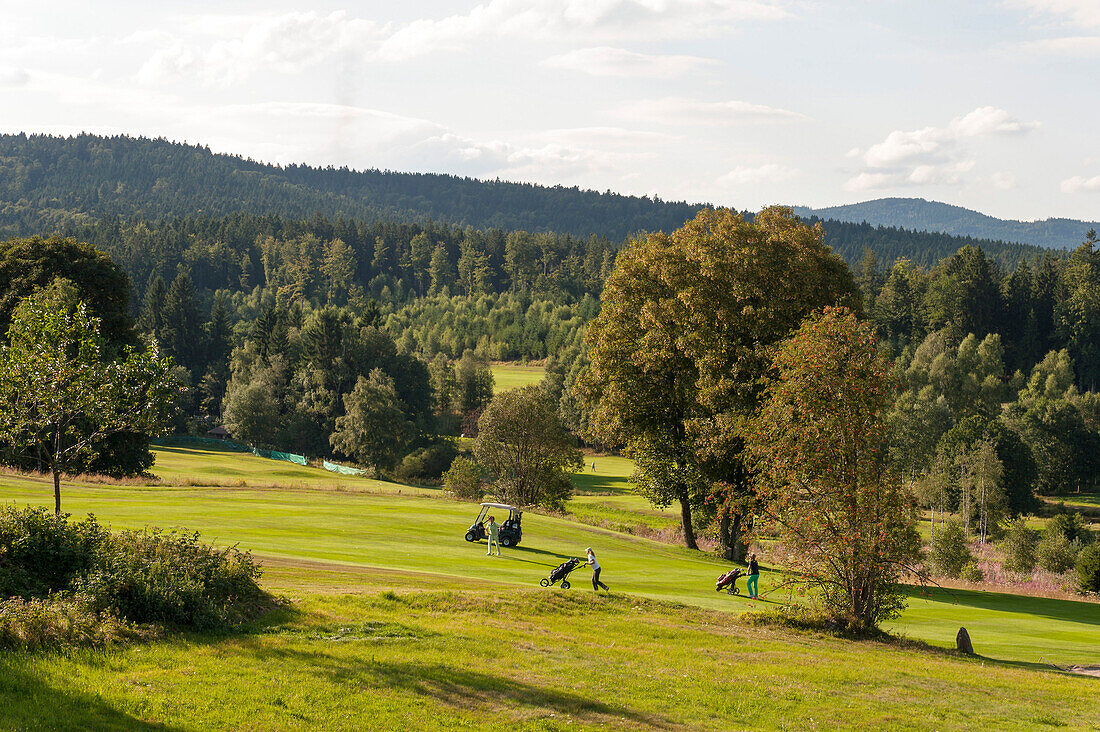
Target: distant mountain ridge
[(66, 184), (918, 214)]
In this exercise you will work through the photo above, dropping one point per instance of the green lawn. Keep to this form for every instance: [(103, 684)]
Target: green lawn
[(436, 655), (508, 376), (470, 641)]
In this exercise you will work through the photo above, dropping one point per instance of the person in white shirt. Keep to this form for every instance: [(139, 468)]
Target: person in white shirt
[(596, 584)]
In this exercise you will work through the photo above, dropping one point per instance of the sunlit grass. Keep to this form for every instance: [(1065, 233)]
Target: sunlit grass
[(508, 376)]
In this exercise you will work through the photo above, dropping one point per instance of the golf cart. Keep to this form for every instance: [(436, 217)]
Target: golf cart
[(510, 531)]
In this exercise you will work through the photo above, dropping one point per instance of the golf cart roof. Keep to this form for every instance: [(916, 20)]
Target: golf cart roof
[(505, 506)]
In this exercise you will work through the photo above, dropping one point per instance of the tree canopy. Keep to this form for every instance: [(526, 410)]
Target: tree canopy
[(680, 351)]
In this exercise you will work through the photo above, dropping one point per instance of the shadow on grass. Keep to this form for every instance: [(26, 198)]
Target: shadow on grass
[(1071, 611), (28, 702), (458, 687)]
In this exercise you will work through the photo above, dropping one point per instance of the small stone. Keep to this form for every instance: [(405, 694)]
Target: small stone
[(962, 642)]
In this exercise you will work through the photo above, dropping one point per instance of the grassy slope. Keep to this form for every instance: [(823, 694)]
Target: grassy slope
[(432, 654), (406, 532), (508, 376)]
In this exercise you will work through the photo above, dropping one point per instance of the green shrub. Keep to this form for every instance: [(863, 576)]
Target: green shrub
[(972, 572), (463, 480), (427, 463), (1019, 547), (156, 577), (41, 552), (950, 552), (1088, 569), (73, 582), (28, 625), (1072, 526), (1056, 553)]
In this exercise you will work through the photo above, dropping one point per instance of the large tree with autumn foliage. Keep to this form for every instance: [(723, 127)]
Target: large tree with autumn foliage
[(681, 347), (822, 469)]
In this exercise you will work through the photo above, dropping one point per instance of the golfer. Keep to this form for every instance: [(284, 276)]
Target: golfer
[(754, 577), (596, 584), (492, 530)]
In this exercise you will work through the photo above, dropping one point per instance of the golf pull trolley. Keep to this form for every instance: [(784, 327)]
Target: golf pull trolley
[(728, 582), (560, 573)]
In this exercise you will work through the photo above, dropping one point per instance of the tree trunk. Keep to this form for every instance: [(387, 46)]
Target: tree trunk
[(57, 493), (729, 534), (724, 537), (685, 522)]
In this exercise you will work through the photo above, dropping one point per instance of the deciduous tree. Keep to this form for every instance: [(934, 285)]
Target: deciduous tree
[(526, 450), (61, 393), (822, 471)]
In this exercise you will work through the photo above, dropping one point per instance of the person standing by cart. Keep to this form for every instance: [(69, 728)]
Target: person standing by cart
[(754, 577), (596, 584), (492, 530)]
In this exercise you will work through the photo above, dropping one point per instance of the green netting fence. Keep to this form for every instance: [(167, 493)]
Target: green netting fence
[(342, 469), (230, 445)]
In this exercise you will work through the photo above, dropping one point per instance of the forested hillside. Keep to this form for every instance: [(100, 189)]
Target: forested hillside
[(50, 184), (917, 214)]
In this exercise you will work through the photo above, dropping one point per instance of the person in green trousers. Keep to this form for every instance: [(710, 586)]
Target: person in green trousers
[(754, 577), (493, 531)]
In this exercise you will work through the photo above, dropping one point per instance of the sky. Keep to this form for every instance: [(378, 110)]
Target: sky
[(988, 104)]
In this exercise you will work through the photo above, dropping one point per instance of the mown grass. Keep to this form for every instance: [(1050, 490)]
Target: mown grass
[(508, 376), (399, 622), (419, 531), (413, 653)]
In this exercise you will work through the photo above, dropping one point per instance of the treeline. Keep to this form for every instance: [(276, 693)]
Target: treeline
[(47, 181), (1044, 304), (62, 184)]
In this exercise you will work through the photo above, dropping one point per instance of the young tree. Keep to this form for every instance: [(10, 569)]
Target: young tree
[(983, 492), (374, 429), (525, 448), (60, 393), (819, 446)]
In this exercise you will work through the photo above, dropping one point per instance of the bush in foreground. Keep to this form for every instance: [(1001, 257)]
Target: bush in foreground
[(68, 582)]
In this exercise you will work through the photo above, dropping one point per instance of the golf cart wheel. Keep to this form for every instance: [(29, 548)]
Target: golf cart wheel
[(506, 542), (470, 536), (734, 591), (565, 584), (544, 582)]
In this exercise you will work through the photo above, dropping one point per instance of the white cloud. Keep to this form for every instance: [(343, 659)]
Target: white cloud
[(933, 155), (578, 19), (683, 111), (603, 137), (1073, 46), (226, 49), (619, 62), (1081, 184), (766, 173), (1071, 12), (902, 146), (1003, 180), (872, 181), (284, 43), (13, 76)]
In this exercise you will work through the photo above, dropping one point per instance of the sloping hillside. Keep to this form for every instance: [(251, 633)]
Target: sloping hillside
[(65, 184), (918, 214)]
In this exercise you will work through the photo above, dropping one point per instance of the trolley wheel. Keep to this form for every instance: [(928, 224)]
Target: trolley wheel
[(470, 536), (506, 541), (544, 582), (565, 584), (734, 591)]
